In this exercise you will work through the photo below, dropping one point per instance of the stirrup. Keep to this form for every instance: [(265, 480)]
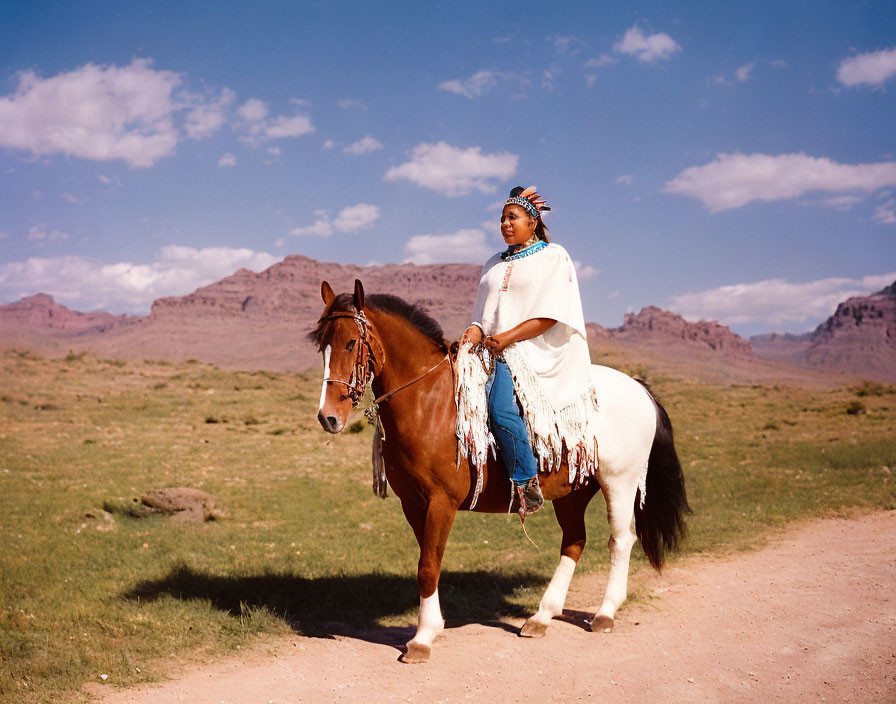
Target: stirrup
[(526, 498)]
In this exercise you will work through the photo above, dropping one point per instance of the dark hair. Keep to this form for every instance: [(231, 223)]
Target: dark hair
[(541, 230)]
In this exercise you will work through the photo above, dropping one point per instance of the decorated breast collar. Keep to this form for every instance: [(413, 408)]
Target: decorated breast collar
[(510, 255)]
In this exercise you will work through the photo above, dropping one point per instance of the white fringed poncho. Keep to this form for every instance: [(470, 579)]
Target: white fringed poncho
[(552, 372)]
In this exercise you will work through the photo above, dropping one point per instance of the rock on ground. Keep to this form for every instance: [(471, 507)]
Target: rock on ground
[(182, 503)]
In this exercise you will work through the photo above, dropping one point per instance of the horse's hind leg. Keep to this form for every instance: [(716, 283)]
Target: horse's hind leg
[(620, 496), (570, 513), (431, 527)]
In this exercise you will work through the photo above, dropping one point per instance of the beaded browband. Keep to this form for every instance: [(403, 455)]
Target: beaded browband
[(530, 201)]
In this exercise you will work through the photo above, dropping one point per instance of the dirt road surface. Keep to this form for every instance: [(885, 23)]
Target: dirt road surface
[(809, 618)]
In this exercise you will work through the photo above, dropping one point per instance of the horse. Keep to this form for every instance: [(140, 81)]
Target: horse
[(402, 352)]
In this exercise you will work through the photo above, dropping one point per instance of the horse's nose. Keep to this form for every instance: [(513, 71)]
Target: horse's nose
[(330, 423)]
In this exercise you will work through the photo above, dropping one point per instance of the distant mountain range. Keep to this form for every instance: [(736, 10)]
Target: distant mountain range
[(858, 339), (259, 320), (246, 320)]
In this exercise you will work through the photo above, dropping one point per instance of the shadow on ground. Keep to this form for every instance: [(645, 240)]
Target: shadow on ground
[(324, 607)]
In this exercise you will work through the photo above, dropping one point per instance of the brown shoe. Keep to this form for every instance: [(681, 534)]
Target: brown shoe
[(527, 498)]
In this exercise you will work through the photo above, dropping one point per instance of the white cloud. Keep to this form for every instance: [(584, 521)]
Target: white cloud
[(647, 48), (4, 235), (842, 202), (871, 69), (227, 159), (350, 219), (88, 284), (294, 126), (275, 151), (775, 302), (584, 271), (625, 179), (473, 87), (885, 213), (454, 171), (319, 228), (733, 180), (742, 73), (602, 60), (94, 112), (253, 110), (73, 199), (364, 145), (567, 44), (42, 234), (470, 245), (254, 114), (348, 103), (548, 76), (356, 217), (205, 118), (329, 144)]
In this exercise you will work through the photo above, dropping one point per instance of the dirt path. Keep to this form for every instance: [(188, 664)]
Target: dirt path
[(810, 618)]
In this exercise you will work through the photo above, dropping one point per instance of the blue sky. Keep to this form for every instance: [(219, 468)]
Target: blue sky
[(727, 161)]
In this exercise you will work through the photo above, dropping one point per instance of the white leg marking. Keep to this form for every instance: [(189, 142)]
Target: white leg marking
[(555, 595), (323, 386), (429, 621), (622, 538)]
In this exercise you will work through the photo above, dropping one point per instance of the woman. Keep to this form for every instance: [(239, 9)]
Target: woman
[(528, 315)]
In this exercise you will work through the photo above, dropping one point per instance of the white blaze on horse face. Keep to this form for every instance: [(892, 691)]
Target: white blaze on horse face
[(323, 385)]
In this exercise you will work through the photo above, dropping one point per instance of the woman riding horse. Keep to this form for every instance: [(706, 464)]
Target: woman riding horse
[(401, 353), (540, 388)]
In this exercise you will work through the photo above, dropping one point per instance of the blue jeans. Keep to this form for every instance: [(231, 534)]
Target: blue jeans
[(507, 425)]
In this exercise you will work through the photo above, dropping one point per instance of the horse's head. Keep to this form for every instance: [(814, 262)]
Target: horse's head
[(344, 336)]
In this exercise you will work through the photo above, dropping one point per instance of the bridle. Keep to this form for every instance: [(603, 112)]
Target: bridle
[(365, 366)]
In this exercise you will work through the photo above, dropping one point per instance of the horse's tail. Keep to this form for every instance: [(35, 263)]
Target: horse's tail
[(659, 522)]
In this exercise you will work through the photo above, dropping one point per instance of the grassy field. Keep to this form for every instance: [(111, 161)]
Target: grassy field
[(305, 546)]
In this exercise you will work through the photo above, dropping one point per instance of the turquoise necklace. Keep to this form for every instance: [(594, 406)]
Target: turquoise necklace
[(513, 252)]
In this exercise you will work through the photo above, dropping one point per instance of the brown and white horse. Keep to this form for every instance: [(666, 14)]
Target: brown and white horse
[(403, 351)]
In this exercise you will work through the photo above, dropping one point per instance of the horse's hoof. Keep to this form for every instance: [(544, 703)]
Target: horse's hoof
[(533, 629), (601, 624), (417, 653)]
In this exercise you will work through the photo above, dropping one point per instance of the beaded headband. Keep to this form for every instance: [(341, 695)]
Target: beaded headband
[(530, 201)]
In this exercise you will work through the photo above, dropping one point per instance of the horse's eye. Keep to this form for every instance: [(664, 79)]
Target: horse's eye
[(350, 346)]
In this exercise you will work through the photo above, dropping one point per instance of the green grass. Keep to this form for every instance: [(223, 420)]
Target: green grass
[(304, 546)]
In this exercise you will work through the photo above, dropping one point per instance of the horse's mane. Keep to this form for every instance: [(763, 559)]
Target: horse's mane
[(416, 316)]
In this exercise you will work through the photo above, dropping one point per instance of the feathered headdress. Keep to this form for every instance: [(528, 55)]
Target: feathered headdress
[(529, 199)]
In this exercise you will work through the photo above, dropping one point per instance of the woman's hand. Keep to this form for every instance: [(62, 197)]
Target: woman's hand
[(526, 330), (496, 343), (473, 335)]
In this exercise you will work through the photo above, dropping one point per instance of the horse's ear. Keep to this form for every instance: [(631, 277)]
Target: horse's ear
[(358, 298), (327, 293)]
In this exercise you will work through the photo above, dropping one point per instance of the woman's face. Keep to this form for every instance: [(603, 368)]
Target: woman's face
[(517, 226)]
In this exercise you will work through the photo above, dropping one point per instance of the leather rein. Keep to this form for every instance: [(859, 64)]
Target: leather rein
[(365, 367)]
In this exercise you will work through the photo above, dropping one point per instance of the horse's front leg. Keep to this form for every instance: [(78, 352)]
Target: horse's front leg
[(431, 525)]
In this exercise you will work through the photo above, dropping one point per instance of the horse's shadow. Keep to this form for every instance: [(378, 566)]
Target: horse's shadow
[(355, 605)]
